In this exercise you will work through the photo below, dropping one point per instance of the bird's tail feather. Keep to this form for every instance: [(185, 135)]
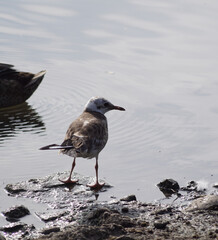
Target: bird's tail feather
[(55, 147), (36, 80)]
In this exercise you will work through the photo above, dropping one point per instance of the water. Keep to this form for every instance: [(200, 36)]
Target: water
[(157, 59)]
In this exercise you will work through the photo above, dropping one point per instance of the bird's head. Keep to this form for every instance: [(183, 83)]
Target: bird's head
[(101, 105)]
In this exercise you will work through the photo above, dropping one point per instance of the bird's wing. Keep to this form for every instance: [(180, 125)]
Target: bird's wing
[(75, 142)]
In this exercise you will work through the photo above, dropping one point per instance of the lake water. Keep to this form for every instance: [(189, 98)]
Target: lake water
[(157, 59)]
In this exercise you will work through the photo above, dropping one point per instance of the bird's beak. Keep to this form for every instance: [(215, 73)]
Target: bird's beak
[(118, 108)]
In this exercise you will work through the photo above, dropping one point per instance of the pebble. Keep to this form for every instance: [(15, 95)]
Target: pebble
[(160, 225), (168, 187), (129, 198), (15, 227), (50, 230), (125, 209), (16, 212)]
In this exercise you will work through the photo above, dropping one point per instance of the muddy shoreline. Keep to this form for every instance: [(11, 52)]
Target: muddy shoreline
[(73, 213)]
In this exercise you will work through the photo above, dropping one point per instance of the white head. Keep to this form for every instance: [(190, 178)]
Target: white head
[(101, 105)]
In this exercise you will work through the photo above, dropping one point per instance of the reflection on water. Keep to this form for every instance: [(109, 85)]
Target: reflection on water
[(21, 118)]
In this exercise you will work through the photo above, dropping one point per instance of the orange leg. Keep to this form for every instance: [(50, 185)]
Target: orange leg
[(97, 185), (68, 181)]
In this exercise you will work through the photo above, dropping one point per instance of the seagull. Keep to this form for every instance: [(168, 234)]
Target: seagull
[(87, 135), (15, 86)]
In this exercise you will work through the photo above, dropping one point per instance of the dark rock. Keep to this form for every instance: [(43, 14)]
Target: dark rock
[(164, 211), (168, 187), (33, 180), (129, 198), (125, 209), (150, 231), (50, 230), (124, 238), (144, 224), (15, 227), (12, 219), (16, 212), (144, 204), (14, 189), (160, 225)]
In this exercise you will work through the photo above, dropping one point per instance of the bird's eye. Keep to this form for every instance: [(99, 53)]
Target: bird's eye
[(106, 104)]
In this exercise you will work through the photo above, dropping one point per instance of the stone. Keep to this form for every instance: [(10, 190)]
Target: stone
[(50, 230), (51, 216), (125, 209), (15, 227), (14, 189), (124, 238), (16, 212), (164, 211), (168, 187), (160, 225), (129, 198), (209, 202)]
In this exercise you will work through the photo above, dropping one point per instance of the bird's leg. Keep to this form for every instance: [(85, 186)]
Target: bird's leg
[(97, 185), (68, 181)]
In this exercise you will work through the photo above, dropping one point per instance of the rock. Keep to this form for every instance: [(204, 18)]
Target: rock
[(193, 186), (15, 227), (168, 187), (125, 209), (106, 216), (51, 216), (14, 189), (209, 202), (164, 211), (215, 185), (129, 198), (50, 230), (16, 212), (124, 238), (160, 225)]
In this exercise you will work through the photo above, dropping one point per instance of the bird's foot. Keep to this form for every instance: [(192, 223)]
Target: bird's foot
[(68, 181), (97, 186)]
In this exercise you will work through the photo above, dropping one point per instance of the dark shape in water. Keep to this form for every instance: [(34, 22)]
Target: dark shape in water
[(168, 187), (16, 87), (22, 118)]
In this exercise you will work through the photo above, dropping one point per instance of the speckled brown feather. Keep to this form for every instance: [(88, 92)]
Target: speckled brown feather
[(88, 135)]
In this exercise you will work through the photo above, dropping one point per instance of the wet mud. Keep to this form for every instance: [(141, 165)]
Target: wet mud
[(72, 212)]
